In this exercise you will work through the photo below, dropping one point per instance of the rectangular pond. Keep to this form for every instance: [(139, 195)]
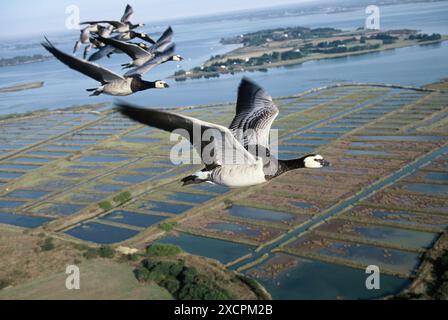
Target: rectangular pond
[(100, 158), (320, 135), (87, 197), (388, 259), (33, 160), (10, 175), (22, 220), (259, 214), (100, 233), (49, 153), (159, 206), (334, 129), (190, 197), (61, 209), (310, 279), (17, 166), (109, 187), (11, 204), (308, 142), (401, 138), (26, 194), (133, 218), (224, 251), (62, 147), (437, 176), (234, 228), (367, 153), (427, 188), (139, 139), (131, 178), (210, 187)]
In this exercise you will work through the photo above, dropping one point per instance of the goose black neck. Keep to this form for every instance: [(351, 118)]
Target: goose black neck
[(291, 164), (138, 84), (283, 166)]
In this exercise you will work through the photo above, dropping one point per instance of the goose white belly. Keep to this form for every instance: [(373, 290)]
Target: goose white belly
[(140, 61), (118, 88), (239, 175)]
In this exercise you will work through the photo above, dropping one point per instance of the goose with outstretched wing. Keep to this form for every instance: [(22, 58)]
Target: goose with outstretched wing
[(158, 59), (227, 161), (111, 82)]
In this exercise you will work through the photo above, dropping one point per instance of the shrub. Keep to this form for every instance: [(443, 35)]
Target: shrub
[(189, 274), (106, 252), (167, 226), (47, 245), (172, 285), (90, 253), (142, 274), (123, 197), (175, 269), (80, 247), (105, 205), (163, 249), (133, 257), (5, 283)]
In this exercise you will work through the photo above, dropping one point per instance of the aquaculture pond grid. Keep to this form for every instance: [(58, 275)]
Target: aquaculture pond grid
[(104, 179)]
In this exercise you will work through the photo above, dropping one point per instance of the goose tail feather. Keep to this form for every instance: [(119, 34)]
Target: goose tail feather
[(196, 178)]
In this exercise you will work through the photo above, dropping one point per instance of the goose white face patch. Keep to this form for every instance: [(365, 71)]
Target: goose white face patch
[(161, 84), (314, 162)]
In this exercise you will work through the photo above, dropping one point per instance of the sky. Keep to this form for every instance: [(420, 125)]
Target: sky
[(29, 17)]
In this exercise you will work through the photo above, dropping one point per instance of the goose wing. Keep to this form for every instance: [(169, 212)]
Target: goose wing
[(255, 113), (127, 15), (116, 24), (158, 59), (215, 143), (144, 37), (160, 46), (101, 53), (131, 49), (167, 35), (89, 69)]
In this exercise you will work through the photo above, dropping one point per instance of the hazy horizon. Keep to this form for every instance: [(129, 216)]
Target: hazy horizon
[(52, 13)]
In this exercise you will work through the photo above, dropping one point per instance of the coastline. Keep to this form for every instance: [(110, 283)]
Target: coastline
[(22, 87), (402, 44)]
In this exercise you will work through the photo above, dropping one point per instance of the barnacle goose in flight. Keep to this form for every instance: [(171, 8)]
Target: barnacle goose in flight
[(227, 154), (111, 83)]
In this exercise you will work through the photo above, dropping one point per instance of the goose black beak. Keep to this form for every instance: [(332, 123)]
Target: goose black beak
[(165, 85), (324, 163)]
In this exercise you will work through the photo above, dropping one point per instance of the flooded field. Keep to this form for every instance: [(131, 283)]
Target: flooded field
[(89, 174)]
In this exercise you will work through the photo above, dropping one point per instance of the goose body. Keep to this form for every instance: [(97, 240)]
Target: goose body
[(118, 87), (229, 157), (238, 175)]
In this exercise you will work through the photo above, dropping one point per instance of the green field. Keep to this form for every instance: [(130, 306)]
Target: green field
[(100, 279)]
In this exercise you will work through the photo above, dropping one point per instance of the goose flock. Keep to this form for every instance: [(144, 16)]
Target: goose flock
[(109, 37), (237, 156)]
